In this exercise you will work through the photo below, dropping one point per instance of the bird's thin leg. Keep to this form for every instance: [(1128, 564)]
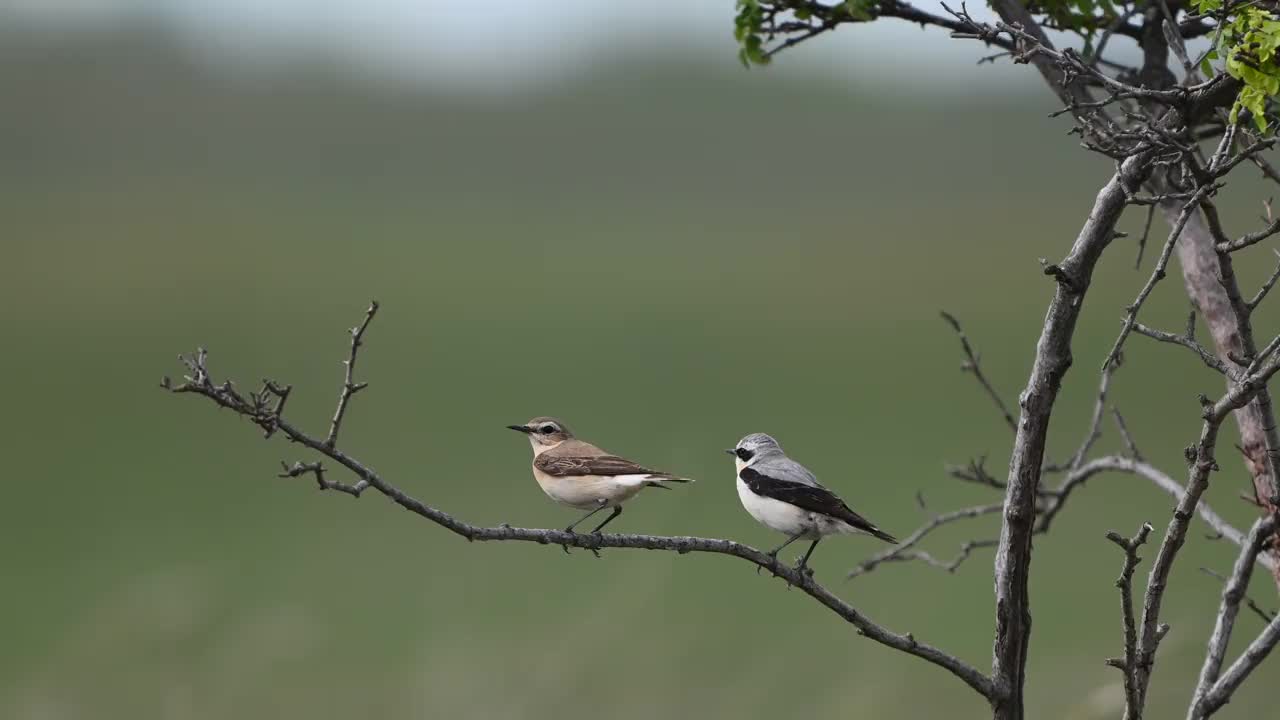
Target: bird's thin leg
[(584, 517), (773, 554), (579, 521), (617, 510), (803, 565)]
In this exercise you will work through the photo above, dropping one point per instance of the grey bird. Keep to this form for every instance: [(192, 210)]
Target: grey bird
[(784, 496)]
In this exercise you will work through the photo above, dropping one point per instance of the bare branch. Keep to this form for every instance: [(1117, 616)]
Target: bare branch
[(949, 566), (828, 17), (198, 382), (1120, 21), (1095, 422), (975, 472), (904, 549), (1129, 444), (1252, 238), (1146, 232), (1268, 171), (349, 386), (1232, 594), (300, 468), (1174, 39), (1128, 664), (1239, 671), (1266, 286), (1214, 289), (1202, 460), (972, 365), (1158, 274), (1188, 341), (1116, 463), (1266, 615)]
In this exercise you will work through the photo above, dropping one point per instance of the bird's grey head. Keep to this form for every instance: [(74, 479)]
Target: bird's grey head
[(544, 432), (755, 446)]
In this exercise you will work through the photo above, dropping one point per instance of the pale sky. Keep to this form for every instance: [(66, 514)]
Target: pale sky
[(501, 43)]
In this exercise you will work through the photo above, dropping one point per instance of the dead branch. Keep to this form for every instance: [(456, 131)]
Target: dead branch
[(1232, 594), (1128, 663), (973, 365), (258, 409)]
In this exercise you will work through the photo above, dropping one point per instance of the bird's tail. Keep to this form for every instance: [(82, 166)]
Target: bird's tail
[(658, 480), (877, 532)]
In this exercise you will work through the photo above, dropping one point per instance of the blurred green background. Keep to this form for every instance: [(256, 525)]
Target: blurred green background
[(663, 249)]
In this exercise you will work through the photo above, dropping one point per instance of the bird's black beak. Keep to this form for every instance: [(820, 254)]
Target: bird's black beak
[(520, 428), (732, 451)]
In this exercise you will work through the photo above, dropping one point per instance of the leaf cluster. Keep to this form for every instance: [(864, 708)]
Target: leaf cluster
[(1247, 39)]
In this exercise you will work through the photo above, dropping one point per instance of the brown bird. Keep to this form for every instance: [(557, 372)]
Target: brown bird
[(578, 474)]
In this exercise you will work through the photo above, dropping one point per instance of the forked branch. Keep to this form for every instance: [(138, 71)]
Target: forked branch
[(261, 409)]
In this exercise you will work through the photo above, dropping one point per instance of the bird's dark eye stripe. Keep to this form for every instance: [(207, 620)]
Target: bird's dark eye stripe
[(743, 453)]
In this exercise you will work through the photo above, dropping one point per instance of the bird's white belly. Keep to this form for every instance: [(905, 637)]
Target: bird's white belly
[(787, 518), (592, 491)]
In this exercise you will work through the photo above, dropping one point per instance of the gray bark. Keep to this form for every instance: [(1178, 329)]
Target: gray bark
[(1053, 358)]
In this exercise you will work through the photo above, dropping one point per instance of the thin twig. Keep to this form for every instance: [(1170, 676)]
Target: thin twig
[(904, 549), (300, 468), (349, 386), (1188, 341), (1095, 421), (1266, 615), (972, 365), (1146, 232), (1266, 286), (1158, 274), (975, 472), (1129, 443)]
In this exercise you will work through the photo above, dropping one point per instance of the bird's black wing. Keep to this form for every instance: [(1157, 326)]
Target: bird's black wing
[(813, 498)]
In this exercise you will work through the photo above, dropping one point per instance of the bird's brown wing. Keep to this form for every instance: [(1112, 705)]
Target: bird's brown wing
[(608, 465)]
